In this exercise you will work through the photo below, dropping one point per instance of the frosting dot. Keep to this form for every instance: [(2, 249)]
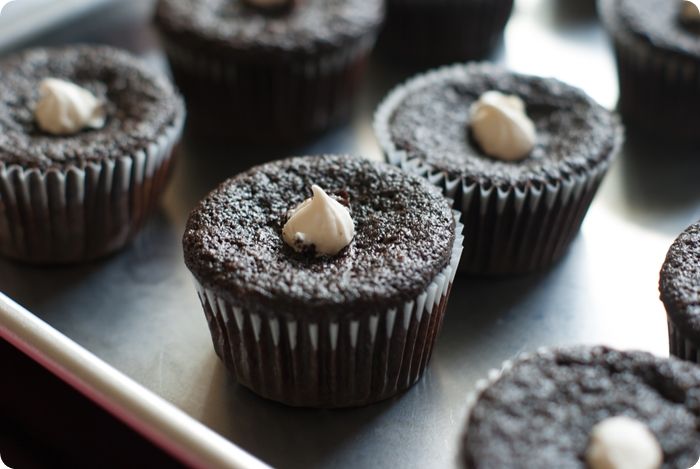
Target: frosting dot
[(623, 443), (65, 108), (501, 127), (320, 222)]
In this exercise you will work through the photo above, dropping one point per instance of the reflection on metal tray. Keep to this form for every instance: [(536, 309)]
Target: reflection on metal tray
[(138, 310)]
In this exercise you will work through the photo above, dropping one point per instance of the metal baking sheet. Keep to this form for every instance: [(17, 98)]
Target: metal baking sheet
[(172, 431), (138, 310)]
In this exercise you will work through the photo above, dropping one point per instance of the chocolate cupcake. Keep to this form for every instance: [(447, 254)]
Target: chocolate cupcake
[(429, 32), (680, 292), (586, 407), (657, 47), (521, 156), (332, 301), (86, 136), (268, 71)]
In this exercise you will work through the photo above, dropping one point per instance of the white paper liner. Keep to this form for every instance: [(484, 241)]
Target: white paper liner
[(510, 230), (682, 346), (64, 215), (331, 363)]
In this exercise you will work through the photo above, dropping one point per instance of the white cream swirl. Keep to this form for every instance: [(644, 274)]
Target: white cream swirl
[(501, 126), (65, 108), (623, 443), (321, 222)]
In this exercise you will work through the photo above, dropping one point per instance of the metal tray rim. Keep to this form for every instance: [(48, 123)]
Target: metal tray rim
[(177, 433)]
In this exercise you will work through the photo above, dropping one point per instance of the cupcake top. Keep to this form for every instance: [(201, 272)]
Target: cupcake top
[(283, 25), (680, 282), (662, 24), (402, 236), (126, 106), (578, 407), (432, 119)]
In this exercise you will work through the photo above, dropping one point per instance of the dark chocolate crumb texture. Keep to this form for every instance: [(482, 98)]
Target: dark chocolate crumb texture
[(139, 105), (540, 412), (235, 25), (404, 234), (432, 123), (680, 282)]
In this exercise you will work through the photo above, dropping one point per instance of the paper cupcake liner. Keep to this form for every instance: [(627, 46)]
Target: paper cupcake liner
[(73, 214), (335, 362), (659, 89), (510, 229), (516, 230), (436, 32), (255, 100), (681, 345)]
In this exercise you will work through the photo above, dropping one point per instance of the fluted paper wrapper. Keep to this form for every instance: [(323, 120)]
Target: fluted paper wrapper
[(74, 214), (510, 230), (516, 230), (336, 362), (681, 345), (259, 101), (659, 89)]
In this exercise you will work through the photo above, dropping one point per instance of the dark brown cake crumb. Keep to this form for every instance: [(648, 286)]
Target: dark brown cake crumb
[(140, 105), (404, 234), (657, 23), (574, 134), (680, 282), (233, 25), (540, 413)]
